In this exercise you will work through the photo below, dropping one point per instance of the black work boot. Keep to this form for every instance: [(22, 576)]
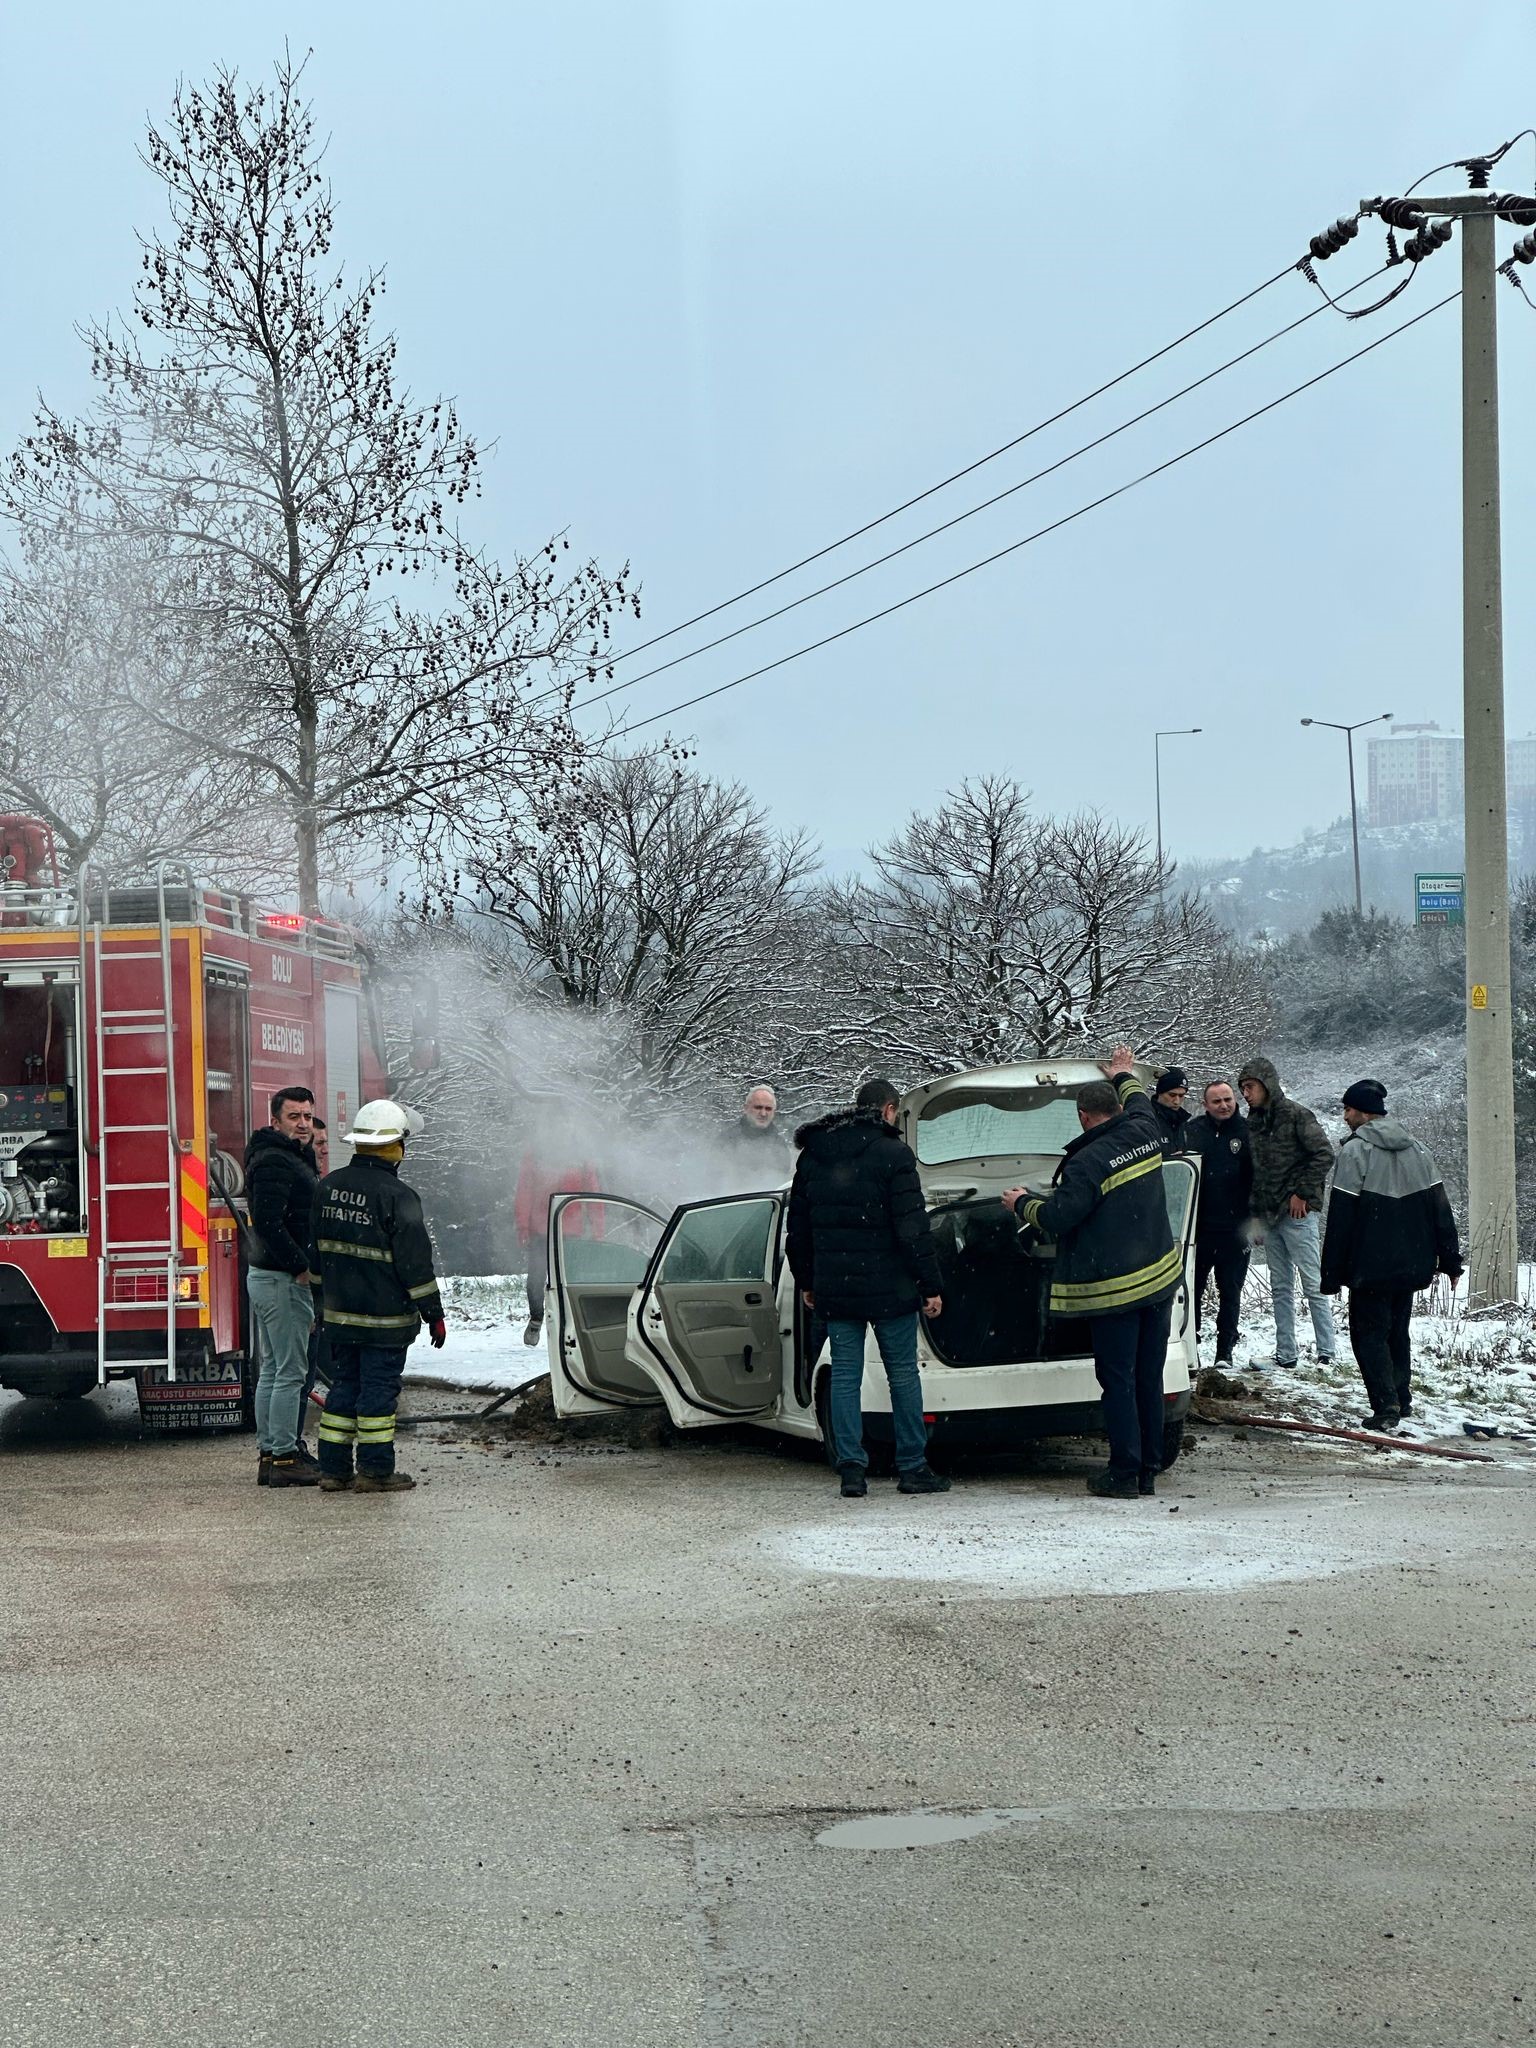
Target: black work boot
[(1147, 1483), (855, 1485), (1110, 1486), (336, 1482), (383, 1482), (1383, 1421), (293, 1470), (921, 1479), (263, 1468)]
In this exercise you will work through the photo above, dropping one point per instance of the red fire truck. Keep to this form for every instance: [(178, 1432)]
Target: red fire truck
[(142, 1031)]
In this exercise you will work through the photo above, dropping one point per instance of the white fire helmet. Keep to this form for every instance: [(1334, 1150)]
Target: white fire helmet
[(383, 1123)]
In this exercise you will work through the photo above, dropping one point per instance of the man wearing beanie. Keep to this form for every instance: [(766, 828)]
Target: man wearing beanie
[(1390, 1230), (1168, 1101)]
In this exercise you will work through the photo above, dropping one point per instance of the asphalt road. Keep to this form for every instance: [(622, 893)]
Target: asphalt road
[(540, 1754)]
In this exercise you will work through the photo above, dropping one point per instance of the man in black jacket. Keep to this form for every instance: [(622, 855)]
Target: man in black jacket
[(280, 1185), (375, 1259), (862, 1253), (1220, 1138), (1116, 1263), (1390, 1230)]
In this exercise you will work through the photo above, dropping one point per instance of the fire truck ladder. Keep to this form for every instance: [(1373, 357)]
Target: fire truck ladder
[(124, 1258)]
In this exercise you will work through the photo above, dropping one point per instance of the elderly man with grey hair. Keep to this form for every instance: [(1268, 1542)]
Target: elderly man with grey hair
[(758, 1144)]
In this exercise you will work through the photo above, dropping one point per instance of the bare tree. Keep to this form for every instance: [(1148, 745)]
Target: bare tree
[(991, 933), (668, 909), (82, 646), (361, 663)]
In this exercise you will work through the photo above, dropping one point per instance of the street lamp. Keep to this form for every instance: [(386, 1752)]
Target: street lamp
[(1349, 732), (1172, 732)]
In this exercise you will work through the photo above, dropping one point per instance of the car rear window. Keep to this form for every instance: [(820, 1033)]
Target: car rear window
[(966, 1123)]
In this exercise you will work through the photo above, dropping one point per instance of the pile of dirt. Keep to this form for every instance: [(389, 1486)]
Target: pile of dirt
[(531, 1419), (1214, 1385)]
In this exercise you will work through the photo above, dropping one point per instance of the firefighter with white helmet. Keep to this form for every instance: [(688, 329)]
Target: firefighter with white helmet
[(375, 1259)]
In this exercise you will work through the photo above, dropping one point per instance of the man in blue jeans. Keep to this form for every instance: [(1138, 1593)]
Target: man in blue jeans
[(1292, 1160), (280, 1184), (862, 1254)]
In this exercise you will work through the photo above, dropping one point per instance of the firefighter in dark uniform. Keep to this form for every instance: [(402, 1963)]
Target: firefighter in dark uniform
[(375, 1262), (1116, 1264)]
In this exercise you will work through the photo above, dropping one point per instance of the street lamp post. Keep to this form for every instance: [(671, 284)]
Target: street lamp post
[(1349, 732), (1169, 733)]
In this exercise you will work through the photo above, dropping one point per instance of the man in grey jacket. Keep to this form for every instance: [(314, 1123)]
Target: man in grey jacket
[(1291, 1160), (1390, 1230)]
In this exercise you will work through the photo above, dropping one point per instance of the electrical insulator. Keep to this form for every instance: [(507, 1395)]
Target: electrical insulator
[(1432, 236), (1516, 207), (1525, 251), (1401, 213), (1332, 240)]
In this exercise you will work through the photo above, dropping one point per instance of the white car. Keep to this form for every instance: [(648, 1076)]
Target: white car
[(699, 1310)]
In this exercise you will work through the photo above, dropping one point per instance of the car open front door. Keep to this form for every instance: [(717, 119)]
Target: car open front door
[(1181, 1186), (599, 1249), (705, 1325)]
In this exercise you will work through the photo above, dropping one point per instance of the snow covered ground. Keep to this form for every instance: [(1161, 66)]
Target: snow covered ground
[(1466, 1368), (485, 1347)]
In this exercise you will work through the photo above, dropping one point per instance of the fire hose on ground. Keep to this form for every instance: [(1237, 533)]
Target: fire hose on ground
[(1375, 1438)]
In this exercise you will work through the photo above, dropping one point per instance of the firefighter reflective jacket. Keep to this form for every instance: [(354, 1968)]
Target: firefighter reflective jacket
[(1108, 1214), (374, 1255)]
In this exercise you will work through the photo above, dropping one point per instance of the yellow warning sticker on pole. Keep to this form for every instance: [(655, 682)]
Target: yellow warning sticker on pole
[(1479, 996)]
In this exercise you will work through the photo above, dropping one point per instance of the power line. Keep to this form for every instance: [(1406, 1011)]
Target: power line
[(981, 461), (960, 518), (1040, 533), (1465, 163), (831, 547)]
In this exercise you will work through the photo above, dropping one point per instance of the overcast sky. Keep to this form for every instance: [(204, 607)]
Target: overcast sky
[(724, 281)]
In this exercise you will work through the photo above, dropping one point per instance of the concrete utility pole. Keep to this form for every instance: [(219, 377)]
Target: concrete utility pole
[(1490, 1218), (1490, 1034)]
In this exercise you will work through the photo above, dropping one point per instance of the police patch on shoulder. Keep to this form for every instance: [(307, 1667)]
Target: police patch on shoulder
[(1236, 1144)]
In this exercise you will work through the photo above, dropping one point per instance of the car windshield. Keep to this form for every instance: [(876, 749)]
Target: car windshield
[(981, 1123)]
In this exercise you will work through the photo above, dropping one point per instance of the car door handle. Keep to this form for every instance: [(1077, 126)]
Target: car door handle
[(754, 1301)]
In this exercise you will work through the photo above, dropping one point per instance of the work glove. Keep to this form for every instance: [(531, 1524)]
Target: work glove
[(438, 1332)]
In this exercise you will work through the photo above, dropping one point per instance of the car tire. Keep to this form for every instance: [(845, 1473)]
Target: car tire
[(1173, 1441), (73, 1390)]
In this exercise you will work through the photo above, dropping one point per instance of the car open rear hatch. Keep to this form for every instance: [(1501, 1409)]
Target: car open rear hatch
[(974, 1135)]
